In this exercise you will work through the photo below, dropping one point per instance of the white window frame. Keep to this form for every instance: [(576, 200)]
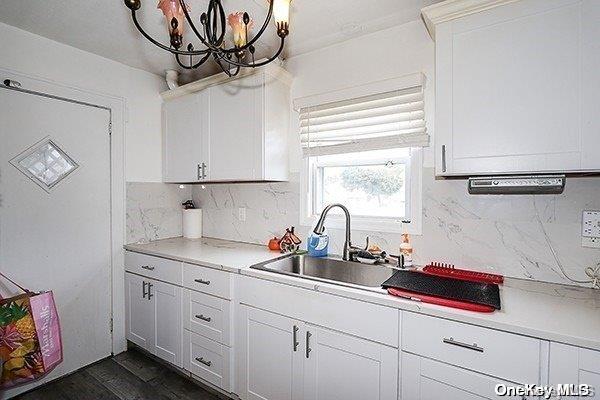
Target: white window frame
[(309, 216)]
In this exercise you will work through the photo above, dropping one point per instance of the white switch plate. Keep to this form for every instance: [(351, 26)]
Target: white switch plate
[(590, 229), (242, 214)]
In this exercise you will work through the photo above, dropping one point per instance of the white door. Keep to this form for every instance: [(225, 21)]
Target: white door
[(55, 234), (139, 311), (270, 352), (166, 302), (236, 138), (185, 133), (425, 379), (343, 367)]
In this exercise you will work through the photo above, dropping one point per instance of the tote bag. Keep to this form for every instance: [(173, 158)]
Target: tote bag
[(30, 342)]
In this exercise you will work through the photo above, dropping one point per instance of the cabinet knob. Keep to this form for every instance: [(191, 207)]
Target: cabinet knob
[(150, 295), (296, 342), (203, 361), (203, 318), (464, 345), (308, 349), (443, 158)]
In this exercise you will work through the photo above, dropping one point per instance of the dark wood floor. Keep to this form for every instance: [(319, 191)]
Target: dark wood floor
[(128, 376)]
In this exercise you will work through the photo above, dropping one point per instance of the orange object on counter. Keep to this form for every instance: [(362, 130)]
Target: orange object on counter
[(274, 244)]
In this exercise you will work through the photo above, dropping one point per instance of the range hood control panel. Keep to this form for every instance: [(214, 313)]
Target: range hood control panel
[(543, 184)]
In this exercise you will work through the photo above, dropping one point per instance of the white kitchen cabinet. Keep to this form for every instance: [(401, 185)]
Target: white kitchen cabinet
[(207, 359), (139, 311), (185, 138), (425, 379), (153, 317), (167, 305), (270, 354), (343, 367), (237, 124), (232, 130), (517, 87), (570, 365)]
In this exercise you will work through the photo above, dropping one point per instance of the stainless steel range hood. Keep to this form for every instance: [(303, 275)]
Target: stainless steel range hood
[(518, 184)]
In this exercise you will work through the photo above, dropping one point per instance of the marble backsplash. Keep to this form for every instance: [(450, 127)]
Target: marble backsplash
[(519, 236), (153, 211)]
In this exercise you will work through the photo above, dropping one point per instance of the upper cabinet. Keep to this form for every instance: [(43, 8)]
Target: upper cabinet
[(517, 86), (232, 130)]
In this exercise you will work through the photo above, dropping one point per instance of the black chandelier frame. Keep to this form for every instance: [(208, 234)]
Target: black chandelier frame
[(213, 21)]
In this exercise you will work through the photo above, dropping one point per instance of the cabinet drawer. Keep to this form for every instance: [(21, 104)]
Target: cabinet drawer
[(500, 354), (154, 267), (207, 315), (207, 280), (207, 359)]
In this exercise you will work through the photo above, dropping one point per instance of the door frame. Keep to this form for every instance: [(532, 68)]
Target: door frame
[(116, 105)]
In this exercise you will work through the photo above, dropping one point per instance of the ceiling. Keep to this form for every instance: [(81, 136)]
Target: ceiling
[(105, 27)]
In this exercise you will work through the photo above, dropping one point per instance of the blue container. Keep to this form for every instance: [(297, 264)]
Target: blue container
[(318, 245)]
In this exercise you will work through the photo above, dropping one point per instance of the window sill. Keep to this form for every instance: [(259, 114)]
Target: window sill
[(384, 225)]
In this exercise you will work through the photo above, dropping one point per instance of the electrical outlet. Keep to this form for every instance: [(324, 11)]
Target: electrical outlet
[(592, 242), (242, 214), (590, 224)]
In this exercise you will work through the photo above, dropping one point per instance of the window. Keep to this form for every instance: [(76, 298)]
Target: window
[(365, 152), (45, 163)]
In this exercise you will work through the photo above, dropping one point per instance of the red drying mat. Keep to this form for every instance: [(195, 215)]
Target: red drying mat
[(463, 305), (448, 270)]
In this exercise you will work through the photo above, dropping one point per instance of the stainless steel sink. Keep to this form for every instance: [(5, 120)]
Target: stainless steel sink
[(330, 270)]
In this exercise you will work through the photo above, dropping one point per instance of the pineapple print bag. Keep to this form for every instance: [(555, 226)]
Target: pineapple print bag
[(30, 343)]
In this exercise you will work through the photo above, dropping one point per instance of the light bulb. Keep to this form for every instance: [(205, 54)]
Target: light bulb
[(281, 14)]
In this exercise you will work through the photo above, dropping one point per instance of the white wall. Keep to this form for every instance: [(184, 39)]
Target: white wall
[(513, 235), (33, 55)]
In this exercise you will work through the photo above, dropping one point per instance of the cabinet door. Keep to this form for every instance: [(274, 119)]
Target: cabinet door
[(343, 367), (571, 365), (269, 356), (166, 312), (236, 127), (518, 106), (425, 379), (185, 125), (139, 311)]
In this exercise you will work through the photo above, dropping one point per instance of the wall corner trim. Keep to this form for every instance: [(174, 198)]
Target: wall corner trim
[(453, 9)]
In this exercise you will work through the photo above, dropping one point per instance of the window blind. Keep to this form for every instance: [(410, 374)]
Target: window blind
[(375, 122)]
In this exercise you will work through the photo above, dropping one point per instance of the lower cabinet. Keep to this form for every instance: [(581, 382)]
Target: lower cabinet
[(207, 359), (281, 358), (571, 365), (269, 355), (154, 317), (343, 367), (425, 379)]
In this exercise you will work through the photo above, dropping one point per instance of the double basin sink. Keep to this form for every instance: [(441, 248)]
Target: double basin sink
[(330, 270)]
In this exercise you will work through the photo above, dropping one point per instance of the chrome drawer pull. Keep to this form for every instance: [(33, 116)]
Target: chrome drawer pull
[(296, 342), (149, 268), (150, 295), (202, 281), (203, 318), (203, 361), (462, 344)]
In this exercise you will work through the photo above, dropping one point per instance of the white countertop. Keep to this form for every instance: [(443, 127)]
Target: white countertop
[(566, 314), (213, 253)]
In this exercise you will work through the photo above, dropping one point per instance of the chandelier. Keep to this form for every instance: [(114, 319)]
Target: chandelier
[(212, 34)]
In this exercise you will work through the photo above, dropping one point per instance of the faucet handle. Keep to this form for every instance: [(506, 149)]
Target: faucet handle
[(367, 244)]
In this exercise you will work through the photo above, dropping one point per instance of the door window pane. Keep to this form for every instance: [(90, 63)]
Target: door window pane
[(45, 163)]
